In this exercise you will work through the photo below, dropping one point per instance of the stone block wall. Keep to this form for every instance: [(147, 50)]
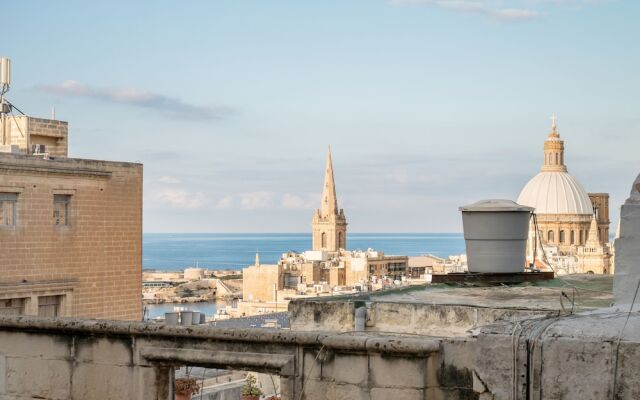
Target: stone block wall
[(94, 261)]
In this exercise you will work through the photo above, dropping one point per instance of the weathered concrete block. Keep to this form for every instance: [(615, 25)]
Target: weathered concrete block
[(103, 382), (351, 392), (387, 371), (346, 368), (31, 345), (90, 349), (318, 390), (312, 366), (3, 374), (580, 357), (397, 394), (38, 378)]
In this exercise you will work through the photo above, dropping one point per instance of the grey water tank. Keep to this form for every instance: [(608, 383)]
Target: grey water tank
[(171, 318), (495, 235), (186, 318)]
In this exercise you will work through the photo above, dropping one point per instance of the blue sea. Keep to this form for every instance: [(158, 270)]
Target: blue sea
[(176, 251)]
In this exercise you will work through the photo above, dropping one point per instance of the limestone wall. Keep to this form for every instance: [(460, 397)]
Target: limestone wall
[(413, 318), (587, 356), (94, 262)]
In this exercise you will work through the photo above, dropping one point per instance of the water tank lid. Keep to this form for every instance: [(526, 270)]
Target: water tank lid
[(495, 205)]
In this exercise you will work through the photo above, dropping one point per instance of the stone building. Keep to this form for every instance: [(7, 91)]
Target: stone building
[(594, 257), (70, 229), (24, 134), (329, 225), (564, 210), (261, 282)]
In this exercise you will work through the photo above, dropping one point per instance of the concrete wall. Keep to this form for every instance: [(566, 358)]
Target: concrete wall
[(95, 261), (587, 356), (73, 359), (414, 318)]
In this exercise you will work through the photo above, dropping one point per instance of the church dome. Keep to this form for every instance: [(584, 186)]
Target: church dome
[(555, 192)]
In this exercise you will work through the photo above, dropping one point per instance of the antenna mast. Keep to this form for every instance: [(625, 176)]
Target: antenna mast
[(5, 108)]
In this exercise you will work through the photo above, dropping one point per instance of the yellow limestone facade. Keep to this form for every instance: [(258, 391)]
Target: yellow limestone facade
[(593, 257), (329, 225), (564, 210)]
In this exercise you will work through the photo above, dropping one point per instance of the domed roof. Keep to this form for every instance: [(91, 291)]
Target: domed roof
[(555, 193)]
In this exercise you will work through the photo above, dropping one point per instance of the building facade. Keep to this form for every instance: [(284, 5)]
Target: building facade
[(329, 225), (70, 229)]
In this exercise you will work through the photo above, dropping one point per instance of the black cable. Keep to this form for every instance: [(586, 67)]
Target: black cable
[(12, 106)]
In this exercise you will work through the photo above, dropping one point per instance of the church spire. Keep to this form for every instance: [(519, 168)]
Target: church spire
[(329, 204), (554, 150), (593, 240)]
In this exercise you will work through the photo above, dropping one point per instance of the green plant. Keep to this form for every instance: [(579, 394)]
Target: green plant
[(187, 386), (250, 388)]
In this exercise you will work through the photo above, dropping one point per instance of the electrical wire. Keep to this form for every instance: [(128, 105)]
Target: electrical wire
[(615, 369)]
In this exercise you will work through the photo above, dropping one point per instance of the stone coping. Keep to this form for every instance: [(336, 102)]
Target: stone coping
[(368, 342)]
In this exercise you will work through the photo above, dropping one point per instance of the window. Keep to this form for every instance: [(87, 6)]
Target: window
[(49, 306), (12, 306), (550, 237), (581, 237), (61, 209), (561, 237), (323, 241), (573, 237), (8, 203), (340, 242)]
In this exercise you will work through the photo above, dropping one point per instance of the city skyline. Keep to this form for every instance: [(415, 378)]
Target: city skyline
[(428, 105)]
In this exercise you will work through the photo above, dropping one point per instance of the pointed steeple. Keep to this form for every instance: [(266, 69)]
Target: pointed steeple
[(329, 204), (593, 240)]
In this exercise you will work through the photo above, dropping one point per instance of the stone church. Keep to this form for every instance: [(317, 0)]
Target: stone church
[(569, 219), (329, 225)]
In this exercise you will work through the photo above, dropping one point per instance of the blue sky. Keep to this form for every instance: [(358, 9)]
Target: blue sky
[(427, 104)]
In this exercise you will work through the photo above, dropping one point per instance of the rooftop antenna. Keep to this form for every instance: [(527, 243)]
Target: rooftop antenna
[(5, 82)]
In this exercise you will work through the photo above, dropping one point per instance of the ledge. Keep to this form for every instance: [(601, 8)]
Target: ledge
[(360, 342)]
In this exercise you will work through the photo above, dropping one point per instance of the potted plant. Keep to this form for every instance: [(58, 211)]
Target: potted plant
[(185, 388), (251, 391)]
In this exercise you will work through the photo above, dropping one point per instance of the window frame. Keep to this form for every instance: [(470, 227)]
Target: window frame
[(10, 198), (65, 200)]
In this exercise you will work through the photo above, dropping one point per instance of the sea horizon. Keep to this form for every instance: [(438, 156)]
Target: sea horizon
[(176, 251)]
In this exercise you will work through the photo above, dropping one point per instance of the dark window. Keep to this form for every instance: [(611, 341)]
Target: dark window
[(561, 239), (49, 306), (61, 204), (550, 237), (573, 237), (8, 203), (12, 306), (323, 241)]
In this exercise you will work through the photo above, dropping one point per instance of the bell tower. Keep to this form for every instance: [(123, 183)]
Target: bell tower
[(554, 150), (329, 225)]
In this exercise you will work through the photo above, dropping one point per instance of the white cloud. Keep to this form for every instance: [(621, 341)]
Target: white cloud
[(489, 8), (178, 198), (225, 202), (254, 200), (170, 106), (296, 202)]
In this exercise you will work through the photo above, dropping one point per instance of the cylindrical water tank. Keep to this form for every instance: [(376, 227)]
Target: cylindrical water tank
[(171, 318), (195, 318), (495, 235), (186, 317)]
